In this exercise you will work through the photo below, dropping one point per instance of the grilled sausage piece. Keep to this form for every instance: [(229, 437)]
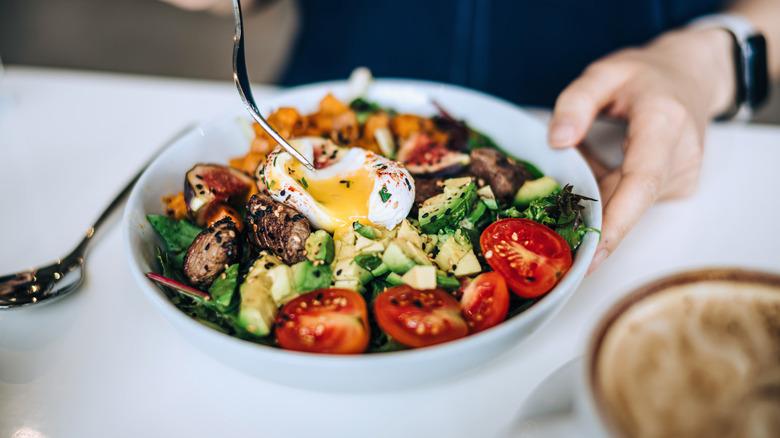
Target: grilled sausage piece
[(503, 174), (276, 227), (212, 250)]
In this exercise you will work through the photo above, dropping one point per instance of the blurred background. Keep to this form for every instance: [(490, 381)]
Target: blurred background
[(154, 38)]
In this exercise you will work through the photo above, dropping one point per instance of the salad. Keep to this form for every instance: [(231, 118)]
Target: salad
[(413, 231)]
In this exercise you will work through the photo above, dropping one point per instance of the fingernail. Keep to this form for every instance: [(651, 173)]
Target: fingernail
[(598, 259), (561, 133)]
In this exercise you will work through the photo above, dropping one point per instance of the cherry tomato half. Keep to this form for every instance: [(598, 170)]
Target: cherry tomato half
[(418, 318), (485, 301), (324, 321), (530, 256)]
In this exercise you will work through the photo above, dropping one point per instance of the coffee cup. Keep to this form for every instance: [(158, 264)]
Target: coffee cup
[(692, 354)]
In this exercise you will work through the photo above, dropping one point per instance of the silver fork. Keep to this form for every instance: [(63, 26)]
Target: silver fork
[(47, 283), (244, 89)]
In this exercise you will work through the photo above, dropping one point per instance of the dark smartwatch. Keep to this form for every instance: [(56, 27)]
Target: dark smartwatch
[(750, 62)]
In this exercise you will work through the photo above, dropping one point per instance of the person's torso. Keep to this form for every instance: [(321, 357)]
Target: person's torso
[(523, 51)]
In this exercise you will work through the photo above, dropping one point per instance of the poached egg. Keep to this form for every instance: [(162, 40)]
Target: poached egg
[(350, 185)]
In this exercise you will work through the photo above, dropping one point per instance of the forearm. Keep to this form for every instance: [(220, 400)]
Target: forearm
[(765, 15)]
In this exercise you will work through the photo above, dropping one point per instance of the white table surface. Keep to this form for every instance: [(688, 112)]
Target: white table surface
[(103, 363)]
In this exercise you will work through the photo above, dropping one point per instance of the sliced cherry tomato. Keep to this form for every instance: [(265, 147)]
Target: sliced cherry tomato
[(418, 318), (324, 321), (485, 301), (530, 256)]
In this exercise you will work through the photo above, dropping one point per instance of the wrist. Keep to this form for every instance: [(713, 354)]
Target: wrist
[(719, 44)]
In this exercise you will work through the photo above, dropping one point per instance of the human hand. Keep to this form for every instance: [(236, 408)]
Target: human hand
[(666, 91)]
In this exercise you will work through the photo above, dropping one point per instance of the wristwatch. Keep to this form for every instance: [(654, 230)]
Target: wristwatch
[(750, 61)]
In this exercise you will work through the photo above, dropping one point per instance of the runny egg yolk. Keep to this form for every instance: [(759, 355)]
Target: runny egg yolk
[(344, 198)]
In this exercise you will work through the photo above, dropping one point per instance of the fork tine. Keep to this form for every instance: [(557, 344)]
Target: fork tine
[(241, 77)]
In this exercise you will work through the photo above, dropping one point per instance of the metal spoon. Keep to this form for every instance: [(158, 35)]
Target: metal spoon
[(242, 83), (47, 283)]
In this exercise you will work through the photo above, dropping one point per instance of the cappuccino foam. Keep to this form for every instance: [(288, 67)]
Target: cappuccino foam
[(694, 360)]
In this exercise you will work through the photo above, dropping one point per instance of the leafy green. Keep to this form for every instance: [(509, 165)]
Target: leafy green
[(561, 211), (177, 234), (224, 287)]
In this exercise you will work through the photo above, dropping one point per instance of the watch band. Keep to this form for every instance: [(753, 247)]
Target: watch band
[(752, 76)]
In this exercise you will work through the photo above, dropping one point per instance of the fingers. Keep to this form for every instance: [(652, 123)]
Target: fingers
[(579, 104), (654, 131)]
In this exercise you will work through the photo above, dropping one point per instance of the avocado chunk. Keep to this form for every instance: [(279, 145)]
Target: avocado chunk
[(394, 279), (320, 246), (309, 276), (534, 189), (452, 248), (468, 265), (446, 281), (396, 260), (488, 197), (258, 308), (349, 270), (420, 277), (281, 281), (445, 210)]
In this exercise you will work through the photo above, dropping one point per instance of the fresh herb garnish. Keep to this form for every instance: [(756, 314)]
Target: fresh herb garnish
[(304, 183), (384, 194)]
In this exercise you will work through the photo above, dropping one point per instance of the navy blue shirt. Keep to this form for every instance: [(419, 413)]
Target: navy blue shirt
[(524, 51)]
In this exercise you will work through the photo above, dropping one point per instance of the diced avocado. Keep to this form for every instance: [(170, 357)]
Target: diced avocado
[(534, 189), (372, 262), (411, 243), (448, 208), (414, 251), (488, 197), (410, 232), (429, 242), (319, 246), (455, 183), (394, 279), (281, 282), (364, 245), (258, 308), (257, 311), (366, 231), (447, 282), (309, 276), (395, 258), (468, 265), (452, 248), (349, 284), (420, 277), (348, 269)]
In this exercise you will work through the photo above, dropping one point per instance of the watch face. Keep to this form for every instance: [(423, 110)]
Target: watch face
[(757, 77)]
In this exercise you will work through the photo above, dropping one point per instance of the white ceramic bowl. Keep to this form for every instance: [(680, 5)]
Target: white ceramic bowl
[(222, 139)]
